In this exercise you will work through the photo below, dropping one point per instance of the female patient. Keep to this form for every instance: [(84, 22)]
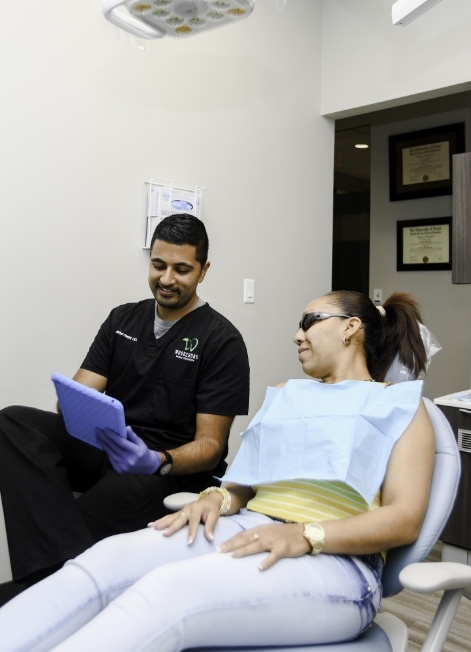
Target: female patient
[(332, 472)]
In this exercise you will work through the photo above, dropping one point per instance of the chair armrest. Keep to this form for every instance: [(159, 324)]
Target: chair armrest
[(174, 502), (428, 577), (451, 578)]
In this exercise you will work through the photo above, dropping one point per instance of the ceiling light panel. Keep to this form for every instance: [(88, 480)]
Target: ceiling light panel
[(181, 18)]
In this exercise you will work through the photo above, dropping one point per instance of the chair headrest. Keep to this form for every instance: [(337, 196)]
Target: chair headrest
[(398, 372)]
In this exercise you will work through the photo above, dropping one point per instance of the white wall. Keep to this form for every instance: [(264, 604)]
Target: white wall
[(368, 63), (87, 117)]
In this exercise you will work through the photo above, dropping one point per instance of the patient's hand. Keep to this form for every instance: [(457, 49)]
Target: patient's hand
[(280, 540), (205, 510)]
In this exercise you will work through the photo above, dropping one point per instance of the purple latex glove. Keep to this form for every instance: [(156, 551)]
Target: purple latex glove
[(128, 454)]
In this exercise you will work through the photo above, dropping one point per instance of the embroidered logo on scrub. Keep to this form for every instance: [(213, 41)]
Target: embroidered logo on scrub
[(187, 354)]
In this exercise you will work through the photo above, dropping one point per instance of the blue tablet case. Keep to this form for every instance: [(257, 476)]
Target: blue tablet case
[(85, 409)]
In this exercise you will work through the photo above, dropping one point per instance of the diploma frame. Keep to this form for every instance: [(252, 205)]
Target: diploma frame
[(420, 162), (424, 245)]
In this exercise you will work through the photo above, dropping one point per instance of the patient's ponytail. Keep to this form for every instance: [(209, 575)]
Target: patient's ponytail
[(402, 335), (390, 330)]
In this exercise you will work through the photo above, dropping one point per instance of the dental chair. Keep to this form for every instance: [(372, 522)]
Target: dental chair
[(388, 633)]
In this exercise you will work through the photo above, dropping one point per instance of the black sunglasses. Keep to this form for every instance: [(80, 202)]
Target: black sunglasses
[(310, 318)]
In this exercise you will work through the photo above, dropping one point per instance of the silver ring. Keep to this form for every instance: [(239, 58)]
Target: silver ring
[(255, 536)]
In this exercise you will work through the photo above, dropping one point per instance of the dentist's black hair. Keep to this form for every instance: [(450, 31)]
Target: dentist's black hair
[(183, 229)]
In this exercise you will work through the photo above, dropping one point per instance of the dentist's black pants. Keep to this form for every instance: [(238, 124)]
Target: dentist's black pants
[(41, 466)]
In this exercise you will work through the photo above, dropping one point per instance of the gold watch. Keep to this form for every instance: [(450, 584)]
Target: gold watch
[(315, 535)]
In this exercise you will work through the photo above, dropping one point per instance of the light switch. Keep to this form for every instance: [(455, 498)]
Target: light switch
[(378, 296), (249, 290)]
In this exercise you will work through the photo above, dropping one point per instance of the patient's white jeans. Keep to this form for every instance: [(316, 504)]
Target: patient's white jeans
[(144, 591)]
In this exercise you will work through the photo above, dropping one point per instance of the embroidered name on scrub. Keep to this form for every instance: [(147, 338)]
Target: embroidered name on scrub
[(128, 337)]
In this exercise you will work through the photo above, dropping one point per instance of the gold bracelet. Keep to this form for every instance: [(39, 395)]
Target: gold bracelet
[(226, 498)]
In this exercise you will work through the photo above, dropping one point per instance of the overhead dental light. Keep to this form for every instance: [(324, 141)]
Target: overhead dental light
[(151, 19), (405, 11)]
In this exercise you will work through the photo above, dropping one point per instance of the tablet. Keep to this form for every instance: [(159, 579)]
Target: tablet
[(85, 409)]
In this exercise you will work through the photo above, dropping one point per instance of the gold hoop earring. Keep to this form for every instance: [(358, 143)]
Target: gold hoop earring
[(345, 341)]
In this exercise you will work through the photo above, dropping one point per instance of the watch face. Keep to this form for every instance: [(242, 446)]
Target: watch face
[(165, 468), (315, 532), (166, 465)]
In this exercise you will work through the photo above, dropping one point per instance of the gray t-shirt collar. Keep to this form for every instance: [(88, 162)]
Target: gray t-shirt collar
[(161, 326)]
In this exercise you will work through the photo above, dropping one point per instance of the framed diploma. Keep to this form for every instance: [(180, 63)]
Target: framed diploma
[(424, 245), (420, 162)]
